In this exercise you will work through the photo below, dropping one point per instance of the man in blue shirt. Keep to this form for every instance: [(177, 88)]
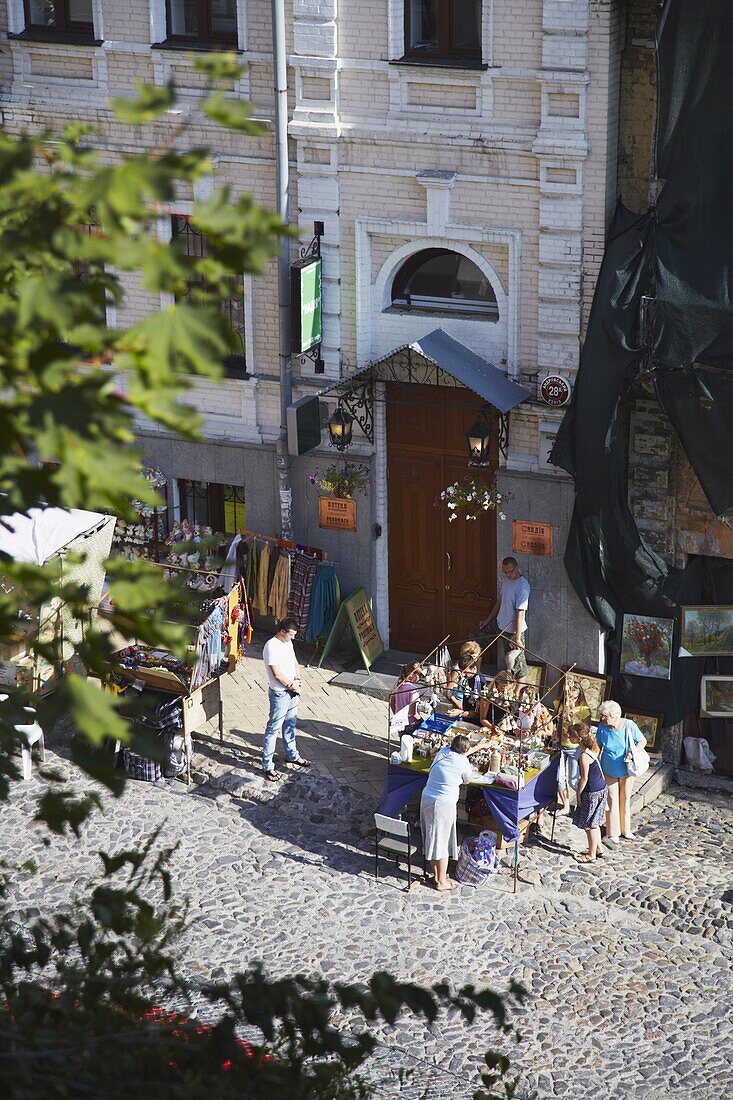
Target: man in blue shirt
[(509, 614)]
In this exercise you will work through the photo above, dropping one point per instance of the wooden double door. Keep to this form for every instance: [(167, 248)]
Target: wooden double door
[(442, 575)]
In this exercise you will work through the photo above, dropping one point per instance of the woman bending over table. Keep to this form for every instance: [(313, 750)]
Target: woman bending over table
[(449, 769)]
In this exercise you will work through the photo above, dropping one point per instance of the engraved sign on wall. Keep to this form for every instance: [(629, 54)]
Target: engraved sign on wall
[(337, 513), (529, 537)]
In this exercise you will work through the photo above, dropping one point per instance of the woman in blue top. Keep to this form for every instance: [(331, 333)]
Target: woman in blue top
[(613, 736), (449, 769)]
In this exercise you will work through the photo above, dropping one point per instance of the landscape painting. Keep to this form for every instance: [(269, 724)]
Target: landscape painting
[(716, 697), (706, 631)]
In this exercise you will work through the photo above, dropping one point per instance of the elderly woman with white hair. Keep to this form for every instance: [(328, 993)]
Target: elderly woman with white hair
[(613, 735)]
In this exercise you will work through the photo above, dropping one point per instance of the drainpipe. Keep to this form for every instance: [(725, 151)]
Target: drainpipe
[(283, 262)]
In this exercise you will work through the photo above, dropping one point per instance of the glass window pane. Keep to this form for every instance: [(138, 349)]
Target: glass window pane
[(424, 25), (42, 13), (224, 18), (440, 279), (184, 18), (80, 11), (466, 26)]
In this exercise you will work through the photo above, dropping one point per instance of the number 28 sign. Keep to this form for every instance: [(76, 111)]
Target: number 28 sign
[(554, 390)]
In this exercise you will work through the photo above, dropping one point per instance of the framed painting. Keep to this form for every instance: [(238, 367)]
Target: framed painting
[(716, 697), (582, 695), (646, 646), (706, 631), (650, 725)]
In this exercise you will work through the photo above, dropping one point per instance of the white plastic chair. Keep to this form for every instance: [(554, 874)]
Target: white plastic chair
[(392, 836), (32, 734)]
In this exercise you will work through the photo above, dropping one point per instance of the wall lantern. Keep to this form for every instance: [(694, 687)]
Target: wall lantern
[(479, 438), (339, 429)]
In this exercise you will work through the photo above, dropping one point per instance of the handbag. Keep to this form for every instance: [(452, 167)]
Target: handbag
[(636, 759)]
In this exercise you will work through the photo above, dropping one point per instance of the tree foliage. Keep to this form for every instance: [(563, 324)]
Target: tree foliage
[(86, 994)]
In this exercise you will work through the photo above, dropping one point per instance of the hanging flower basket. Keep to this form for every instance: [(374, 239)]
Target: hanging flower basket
[(471, 498), (342, 481)]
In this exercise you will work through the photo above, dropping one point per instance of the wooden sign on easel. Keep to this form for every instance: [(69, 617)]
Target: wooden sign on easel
[(356, 612)]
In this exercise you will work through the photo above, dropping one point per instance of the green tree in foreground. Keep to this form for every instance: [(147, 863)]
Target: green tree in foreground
[(85, 995)]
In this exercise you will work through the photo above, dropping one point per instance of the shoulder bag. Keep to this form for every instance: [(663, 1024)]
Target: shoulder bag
[(636, 759)]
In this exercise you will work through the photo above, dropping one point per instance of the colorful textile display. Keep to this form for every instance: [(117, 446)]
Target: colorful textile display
[(280, 590), (325, 602), (301, 588)]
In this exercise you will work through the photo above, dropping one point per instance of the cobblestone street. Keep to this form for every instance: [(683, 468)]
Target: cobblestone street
[(627, 964)]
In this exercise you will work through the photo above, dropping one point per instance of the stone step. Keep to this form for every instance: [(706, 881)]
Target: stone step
[(654, 783)]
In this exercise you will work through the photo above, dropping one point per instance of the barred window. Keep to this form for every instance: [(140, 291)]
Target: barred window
[(194, 246)]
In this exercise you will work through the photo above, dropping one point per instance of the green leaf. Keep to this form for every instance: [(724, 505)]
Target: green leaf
[(151, 103)]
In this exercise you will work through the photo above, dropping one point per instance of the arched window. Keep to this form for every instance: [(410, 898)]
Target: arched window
[(437, 280)]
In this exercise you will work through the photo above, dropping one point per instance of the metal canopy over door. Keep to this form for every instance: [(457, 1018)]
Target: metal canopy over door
[(442, 576)]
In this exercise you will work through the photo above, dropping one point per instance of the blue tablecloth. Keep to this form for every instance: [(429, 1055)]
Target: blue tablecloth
[(507, 807)]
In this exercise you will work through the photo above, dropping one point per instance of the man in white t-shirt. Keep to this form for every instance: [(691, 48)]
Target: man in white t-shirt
[(509, 614), (283, 677)]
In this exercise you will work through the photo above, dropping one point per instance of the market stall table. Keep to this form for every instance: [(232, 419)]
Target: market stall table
[(509, 807)]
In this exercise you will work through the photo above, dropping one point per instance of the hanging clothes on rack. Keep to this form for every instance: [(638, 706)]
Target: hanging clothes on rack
[(301, 588), (209, 644), (252, 567), (280, 590), (262, 590), (325, 602), (229, 573)]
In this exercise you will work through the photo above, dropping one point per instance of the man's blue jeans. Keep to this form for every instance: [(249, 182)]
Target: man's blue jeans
[(283, 712)]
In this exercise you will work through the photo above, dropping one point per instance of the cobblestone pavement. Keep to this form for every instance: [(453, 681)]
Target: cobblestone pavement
[(627, 964)]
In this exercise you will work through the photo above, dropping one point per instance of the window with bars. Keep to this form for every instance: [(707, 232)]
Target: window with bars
[(72, 19), (221, 507), (202, 22), (194, 246), (443, 29)]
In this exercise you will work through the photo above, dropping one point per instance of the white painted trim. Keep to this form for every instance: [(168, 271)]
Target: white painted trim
[(16, 17), (418, 235), (385, 278), (396, 30), (98, 19)]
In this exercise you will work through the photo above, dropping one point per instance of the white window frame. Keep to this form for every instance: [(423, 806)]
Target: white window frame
[(16, 18), (159, 26)]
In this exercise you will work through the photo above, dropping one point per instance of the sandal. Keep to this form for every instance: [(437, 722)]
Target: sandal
[(300, 762), (584, 857), (272, 776)]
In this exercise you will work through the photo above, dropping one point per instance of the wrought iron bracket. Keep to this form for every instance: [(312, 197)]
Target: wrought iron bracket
[(359, 401), (312, 251), (503, 433)]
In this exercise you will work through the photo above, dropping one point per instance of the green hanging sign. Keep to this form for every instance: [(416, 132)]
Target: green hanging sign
[(306, 305)]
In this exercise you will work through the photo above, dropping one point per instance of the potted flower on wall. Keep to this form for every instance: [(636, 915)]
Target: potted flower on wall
[(342, 481)]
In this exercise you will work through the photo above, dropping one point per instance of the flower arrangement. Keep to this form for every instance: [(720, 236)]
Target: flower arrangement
[(648, 638), (472, 498), (342, 481)]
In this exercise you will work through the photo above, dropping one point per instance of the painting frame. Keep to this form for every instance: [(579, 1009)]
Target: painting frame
[(596, 689), (691, 614), (639, 633), (722, 706), (643, 718)]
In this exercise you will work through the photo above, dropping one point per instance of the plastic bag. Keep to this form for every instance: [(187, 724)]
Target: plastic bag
[(698, 753)]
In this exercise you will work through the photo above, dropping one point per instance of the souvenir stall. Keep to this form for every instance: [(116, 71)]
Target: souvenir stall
[(516, 775), (172, 697), (80, 541), (144, 537)]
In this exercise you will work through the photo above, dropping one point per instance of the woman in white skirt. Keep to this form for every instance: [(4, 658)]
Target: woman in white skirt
[(449, 769)]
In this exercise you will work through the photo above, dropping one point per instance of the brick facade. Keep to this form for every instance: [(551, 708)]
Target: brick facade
[(513, 163)]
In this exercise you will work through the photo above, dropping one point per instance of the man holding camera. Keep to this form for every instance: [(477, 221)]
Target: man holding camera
[(283, 676)]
